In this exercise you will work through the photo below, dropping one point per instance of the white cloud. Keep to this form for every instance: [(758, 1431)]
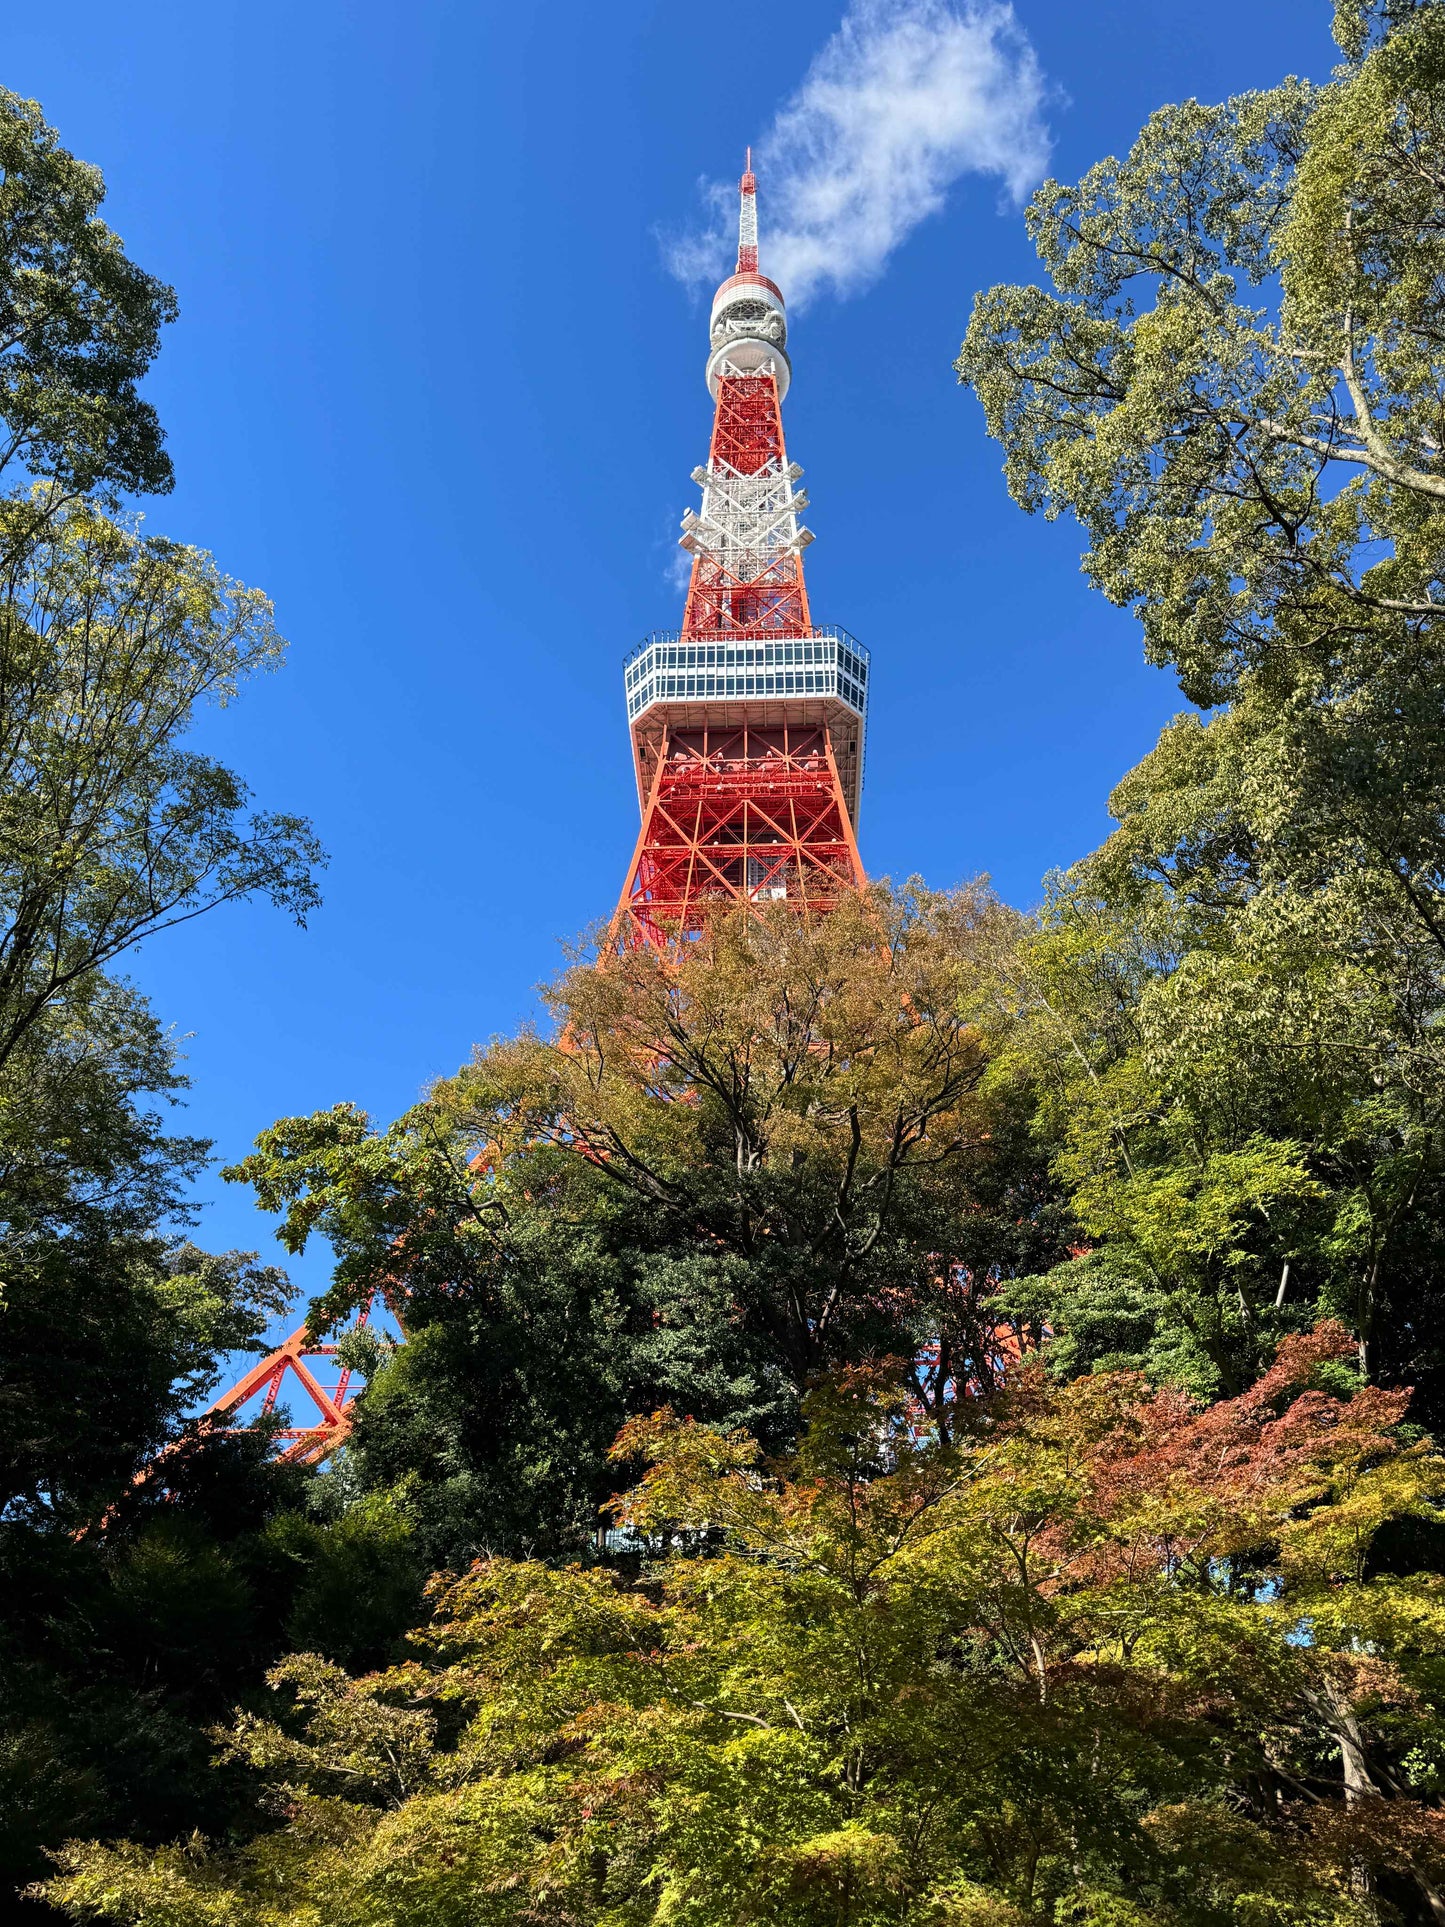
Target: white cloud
[(907, 96), (678, 572)]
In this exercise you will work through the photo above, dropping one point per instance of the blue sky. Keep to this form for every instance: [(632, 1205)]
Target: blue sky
[(434, 389)]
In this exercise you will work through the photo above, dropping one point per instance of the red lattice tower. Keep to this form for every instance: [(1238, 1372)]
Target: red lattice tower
[(747, 723), (286, 1370)]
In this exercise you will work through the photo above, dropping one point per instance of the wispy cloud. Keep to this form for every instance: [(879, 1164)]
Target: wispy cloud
[(678, 572), (907, 96)]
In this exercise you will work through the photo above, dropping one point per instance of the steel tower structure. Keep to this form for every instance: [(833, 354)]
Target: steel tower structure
[(747, 723), (747, 728)]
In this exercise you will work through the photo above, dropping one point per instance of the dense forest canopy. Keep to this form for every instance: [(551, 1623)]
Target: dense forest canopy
[(922, 1418)]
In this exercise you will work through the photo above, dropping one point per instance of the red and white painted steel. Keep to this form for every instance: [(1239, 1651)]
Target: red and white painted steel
[(748, 723)]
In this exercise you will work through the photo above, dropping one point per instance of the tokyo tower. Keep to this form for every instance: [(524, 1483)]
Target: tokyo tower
[(747, 723), (747, 728)]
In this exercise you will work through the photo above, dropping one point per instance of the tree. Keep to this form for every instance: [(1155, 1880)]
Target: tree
[(1263, 488), (718, 1176), (119, 1646), (1093, 1660), (1262, 483), (109, 829), (795, 1096), (79, 324), (119, 1651), (1246, 1086), (107, 1343), (1235, 389)]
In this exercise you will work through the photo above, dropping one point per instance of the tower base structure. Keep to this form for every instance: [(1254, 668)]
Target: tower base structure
[(738, 811), (289, 1368)]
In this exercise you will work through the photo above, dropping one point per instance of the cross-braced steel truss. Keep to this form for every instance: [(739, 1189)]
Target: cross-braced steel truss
[(739, 813), (737, 760), (287, 1370), (747, 543)]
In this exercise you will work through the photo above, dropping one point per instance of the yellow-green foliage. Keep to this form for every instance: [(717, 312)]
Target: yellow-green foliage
[(1090, 1662)]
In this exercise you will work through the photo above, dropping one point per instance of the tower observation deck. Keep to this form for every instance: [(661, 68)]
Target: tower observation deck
[(748, 723)]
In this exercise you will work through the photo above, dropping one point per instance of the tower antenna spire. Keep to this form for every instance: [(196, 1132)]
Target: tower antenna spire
[(748, 220)]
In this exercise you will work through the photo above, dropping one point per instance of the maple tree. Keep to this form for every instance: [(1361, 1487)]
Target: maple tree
[(709, 1180), (1099, 1658)]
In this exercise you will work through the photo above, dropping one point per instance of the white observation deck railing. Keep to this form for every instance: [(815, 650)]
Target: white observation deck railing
[(671, 668)]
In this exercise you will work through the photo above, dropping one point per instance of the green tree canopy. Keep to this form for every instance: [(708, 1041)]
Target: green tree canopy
[(110, 828), (79, 323), (1098, 1658), (1235, 386), (713, 1179), (119, 1646)]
